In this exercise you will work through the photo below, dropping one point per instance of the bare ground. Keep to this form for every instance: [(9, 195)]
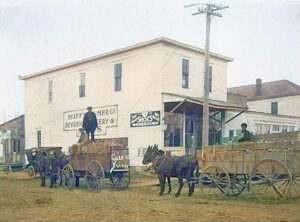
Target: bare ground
[(22, 199)]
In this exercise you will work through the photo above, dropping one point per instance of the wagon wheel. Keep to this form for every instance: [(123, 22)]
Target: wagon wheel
[(120, 180), (238, 183), (95, 176), (214, 182), (68, 178), (31, 171), (295, 186), (270, 181)]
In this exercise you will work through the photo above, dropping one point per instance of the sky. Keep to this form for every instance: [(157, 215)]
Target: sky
[(262, 36)]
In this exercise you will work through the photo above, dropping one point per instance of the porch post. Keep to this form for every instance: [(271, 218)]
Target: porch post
[(183, 131), (223, 116)]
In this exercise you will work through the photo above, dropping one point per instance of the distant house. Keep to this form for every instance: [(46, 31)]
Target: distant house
[(273, 107), (12, 140)]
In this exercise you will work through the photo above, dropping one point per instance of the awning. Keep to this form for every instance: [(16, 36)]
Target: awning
[(171, 97)]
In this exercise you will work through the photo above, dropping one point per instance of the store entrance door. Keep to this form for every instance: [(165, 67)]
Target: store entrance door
[(192, 134)]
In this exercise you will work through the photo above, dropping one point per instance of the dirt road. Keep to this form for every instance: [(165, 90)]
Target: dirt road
[(22, 199)]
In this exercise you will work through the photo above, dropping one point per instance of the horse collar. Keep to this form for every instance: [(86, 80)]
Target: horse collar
[(155, 160)]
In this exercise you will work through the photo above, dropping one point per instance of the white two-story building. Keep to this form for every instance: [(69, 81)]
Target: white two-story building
[(149, 93), (273, 107)]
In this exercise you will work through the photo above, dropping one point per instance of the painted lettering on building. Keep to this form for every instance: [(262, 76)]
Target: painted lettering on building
[(107, 116), (151, 118)]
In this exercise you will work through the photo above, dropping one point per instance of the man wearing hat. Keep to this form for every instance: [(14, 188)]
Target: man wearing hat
[(90, 122), (245, 134)]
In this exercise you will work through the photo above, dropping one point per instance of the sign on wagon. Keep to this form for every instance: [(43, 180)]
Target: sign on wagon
[(107, 116)]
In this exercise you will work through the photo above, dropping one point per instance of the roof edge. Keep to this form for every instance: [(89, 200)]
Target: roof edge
[(126, 49), (21, 116), (211, 102), (269, 114)]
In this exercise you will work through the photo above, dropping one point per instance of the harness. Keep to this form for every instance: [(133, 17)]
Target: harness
[(162, 165)]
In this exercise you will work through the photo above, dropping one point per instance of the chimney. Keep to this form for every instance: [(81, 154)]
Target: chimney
[(258, 87)]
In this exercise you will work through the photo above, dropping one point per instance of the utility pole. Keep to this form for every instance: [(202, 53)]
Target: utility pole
[(210, 10)]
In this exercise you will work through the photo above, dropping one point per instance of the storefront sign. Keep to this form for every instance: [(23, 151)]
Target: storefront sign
[(107, 116), (151, 118)]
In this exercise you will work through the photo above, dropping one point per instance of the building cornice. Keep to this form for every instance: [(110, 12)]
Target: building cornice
[(162, 40)]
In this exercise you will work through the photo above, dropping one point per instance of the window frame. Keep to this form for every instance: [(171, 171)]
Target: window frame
[(118, 76), (39, 138), (274, 108), (82, 85), (50, 91), (231, 134), (275, 127), (185, 65)]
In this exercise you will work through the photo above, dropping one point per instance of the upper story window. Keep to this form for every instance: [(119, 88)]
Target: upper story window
[(82, 85), (118, 76), (50, 91), (185, 73), (210, 79), (39, 138), (274, 108)]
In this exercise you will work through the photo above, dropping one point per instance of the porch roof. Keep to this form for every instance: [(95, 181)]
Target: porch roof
[(172, 97)]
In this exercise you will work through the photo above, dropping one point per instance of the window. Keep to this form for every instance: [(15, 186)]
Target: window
[(142, 151), (231, 133), (185, 73), (14, 145), (274, 108), (210, 79), (292, 128), (268, 129), (118, 76), (276, 128), (50, 91), (284, 129), (19, 146), (39, 138), (174, 133), (238, 133), (258, 128), (82, 85)]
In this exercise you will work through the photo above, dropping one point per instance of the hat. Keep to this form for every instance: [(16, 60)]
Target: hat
[(244, 124), (90, 108)]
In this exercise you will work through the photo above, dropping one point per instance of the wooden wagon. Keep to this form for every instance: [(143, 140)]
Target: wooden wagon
[(271, 170), (96, 161), (34, 155)]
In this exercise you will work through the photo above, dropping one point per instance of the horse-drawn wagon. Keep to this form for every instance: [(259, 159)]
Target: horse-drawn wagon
[(96, 161), (34, 155), (271, 170)]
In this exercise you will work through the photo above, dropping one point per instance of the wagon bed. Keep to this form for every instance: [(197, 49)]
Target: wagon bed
[(96, 161), (270, 169)]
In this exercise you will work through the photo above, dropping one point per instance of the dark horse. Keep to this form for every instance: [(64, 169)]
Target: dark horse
[(51, 165), (172, 166)]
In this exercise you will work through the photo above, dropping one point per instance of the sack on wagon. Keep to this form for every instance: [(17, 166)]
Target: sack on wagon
[(77, 147)]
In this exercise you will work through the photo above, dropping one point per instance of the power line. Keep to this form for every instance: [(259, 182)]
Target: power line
[(210, 10)]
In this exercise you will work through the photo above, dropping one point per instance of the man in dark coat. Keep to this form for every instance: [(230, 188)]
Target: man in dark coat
[(245, 133), (90, 122)]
